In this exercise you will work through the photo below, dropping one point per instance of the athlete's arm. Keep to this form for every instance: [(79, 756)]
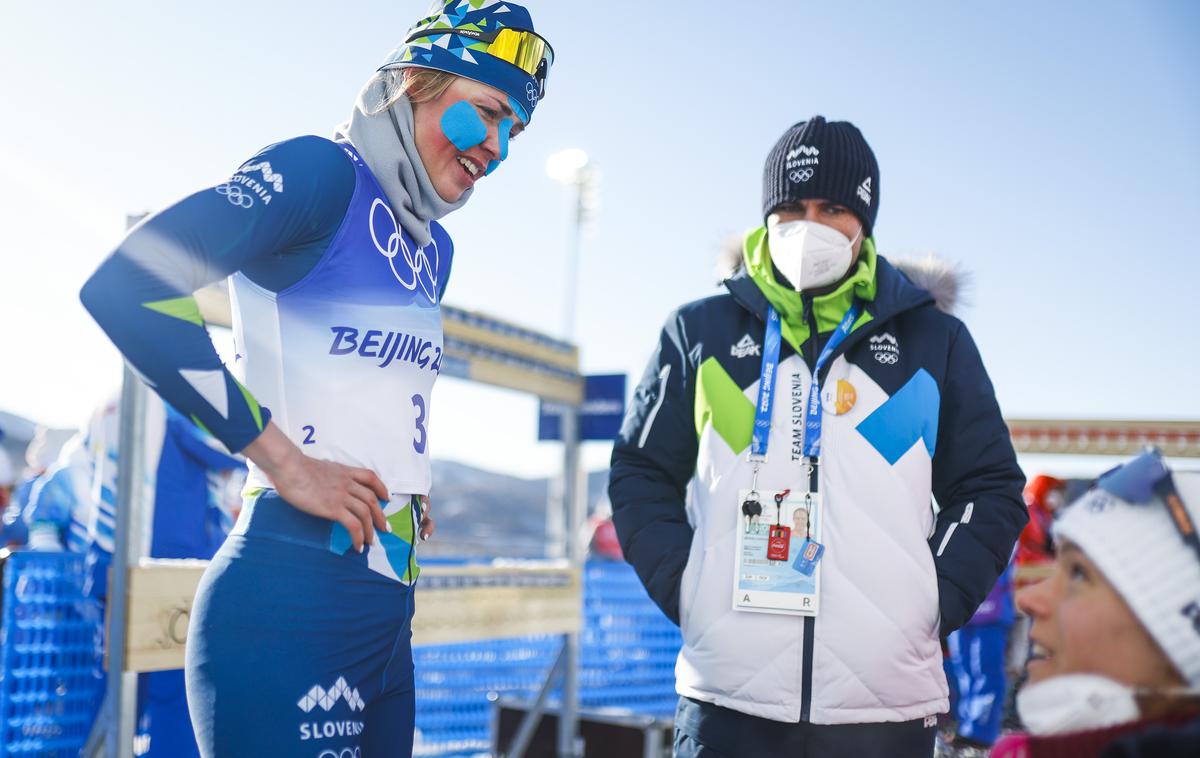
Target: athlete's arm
[(345, 494), (267, 221), (282, 199)]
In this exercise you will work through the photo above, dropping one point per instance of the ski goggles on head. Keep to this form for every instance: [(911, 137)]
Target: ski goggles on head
[(523, 49), (1146, 480)]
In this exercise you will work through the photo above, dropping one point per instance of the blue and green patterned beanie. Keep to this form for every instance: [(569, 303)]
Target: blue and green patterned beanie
[(489, 41)]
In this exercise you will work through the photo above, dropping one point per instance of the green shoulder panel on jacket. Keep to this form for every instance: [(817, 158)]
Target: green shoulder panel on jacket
[(721, 403)]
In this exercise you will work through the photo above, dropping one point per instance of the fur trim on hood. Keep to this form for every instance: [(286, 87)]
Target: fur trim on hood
[(945, 280)]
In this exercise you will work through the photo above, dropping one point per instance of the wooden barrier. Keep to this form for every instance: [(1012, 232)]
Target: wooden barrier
[(457, 604)]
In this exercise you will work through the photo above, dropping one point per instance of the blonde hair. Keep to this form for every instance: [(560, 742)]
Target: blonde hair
[(420, 84)]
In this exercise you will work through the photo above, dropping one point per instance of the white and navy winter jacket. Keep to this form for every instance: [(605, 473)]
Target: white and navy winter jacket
[(895, 575)]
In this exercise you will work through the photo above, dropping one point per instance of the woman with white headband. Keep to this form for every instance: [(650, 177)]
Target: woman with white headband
[(1115, 669)]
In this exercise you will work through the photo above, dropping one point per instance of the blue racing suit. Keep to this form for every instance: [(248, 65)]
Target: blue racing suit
[(298, 645)]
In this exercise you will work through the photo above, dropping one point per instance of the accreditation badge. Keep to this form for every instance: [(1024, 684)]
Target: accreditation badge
[(769, 576)]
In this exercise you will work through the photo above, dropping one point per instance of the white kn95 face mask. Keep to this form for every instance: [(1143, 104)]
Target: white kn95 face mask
[(810, 254)]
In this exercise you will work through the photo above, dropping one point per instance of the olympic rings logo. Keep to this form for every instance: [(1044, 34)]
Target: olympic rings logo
[(235, 195), (531, 93), (346, 752), (801, 176), (888, 358), (422, 271)]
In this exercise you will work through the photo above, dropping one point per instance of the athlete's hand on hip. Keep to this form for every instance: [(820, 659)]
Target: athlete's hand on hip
[(345, 494), (427, 522)]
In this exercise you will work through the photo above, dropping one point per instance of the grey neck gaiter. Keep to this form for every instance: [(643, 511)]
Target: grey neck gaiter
[(385, 142)]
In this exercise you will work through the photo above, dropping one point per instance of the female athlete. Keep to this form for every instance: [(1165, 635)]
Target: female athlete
[(300, 635)]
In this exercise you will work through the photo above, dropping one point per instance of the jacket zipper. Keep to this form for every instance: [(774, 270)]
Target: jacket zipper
[(810, 319), (810, 622)]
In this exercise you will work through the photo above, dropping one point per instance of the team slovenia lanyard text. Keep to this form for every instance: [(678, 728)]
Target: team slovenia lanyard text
[(766, 386)]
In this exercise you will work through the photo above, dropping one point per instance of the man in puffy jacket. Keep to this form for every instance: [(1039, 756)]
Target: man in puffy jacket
[(830, 648)]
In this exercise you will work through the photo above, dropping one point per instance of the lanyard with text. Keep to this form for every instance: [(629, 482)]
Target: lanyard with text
[(766, 387), (812, 421)]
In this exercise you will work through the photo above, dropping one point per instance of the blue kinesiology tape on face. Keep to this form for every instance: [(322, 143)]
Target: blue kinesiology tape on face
[(462, 126), (519, 110), (505, 127)]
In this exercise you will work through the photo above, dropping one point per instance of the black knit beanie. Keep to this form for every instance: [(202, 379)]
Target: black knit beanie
[(823, 159)]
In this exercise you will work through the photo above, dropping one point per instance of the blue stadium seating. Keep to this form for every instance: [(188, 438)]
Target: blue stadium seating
[(52, 680)]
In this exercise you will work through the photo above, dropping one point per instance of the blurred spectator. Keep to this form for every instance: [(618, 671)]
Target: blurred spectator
[(60, 500), (603, 542), (975, 669), (8, 480), (190, 492), (40, 454), (44, 448), (1043, 496), (1115, 669), (73, 506)]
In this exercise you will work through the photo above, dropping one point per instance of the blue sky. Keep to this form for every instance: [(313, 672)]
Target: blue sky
[(1050, 149)]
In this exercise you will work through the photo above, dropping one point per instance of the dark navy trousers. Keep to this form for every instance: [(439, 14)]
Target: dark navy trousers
[(704, 730), (294, 650)]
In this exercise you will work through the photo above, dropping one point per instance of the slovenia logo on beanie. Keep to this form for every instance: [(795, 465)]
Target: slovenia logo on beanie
[(823, 160), (801, 163)]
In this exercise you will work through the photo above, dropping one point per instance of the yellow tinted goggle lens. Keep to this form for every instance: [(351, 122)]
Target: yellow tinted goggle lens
[(525, 50)]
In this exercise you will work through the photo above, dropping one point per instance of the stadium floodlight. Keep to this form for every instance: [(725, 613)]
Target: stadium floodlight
[(572, 168), (566, 166)]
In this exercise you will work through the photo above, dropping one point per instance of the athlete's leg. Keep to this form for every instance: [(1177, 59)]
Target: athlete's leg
[(389, 718), (389, 726), (287, 646)]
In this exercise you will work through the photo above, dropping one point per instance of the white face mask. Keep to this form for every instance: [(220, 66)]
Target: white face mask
[(1075, 702), (809, 254)]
